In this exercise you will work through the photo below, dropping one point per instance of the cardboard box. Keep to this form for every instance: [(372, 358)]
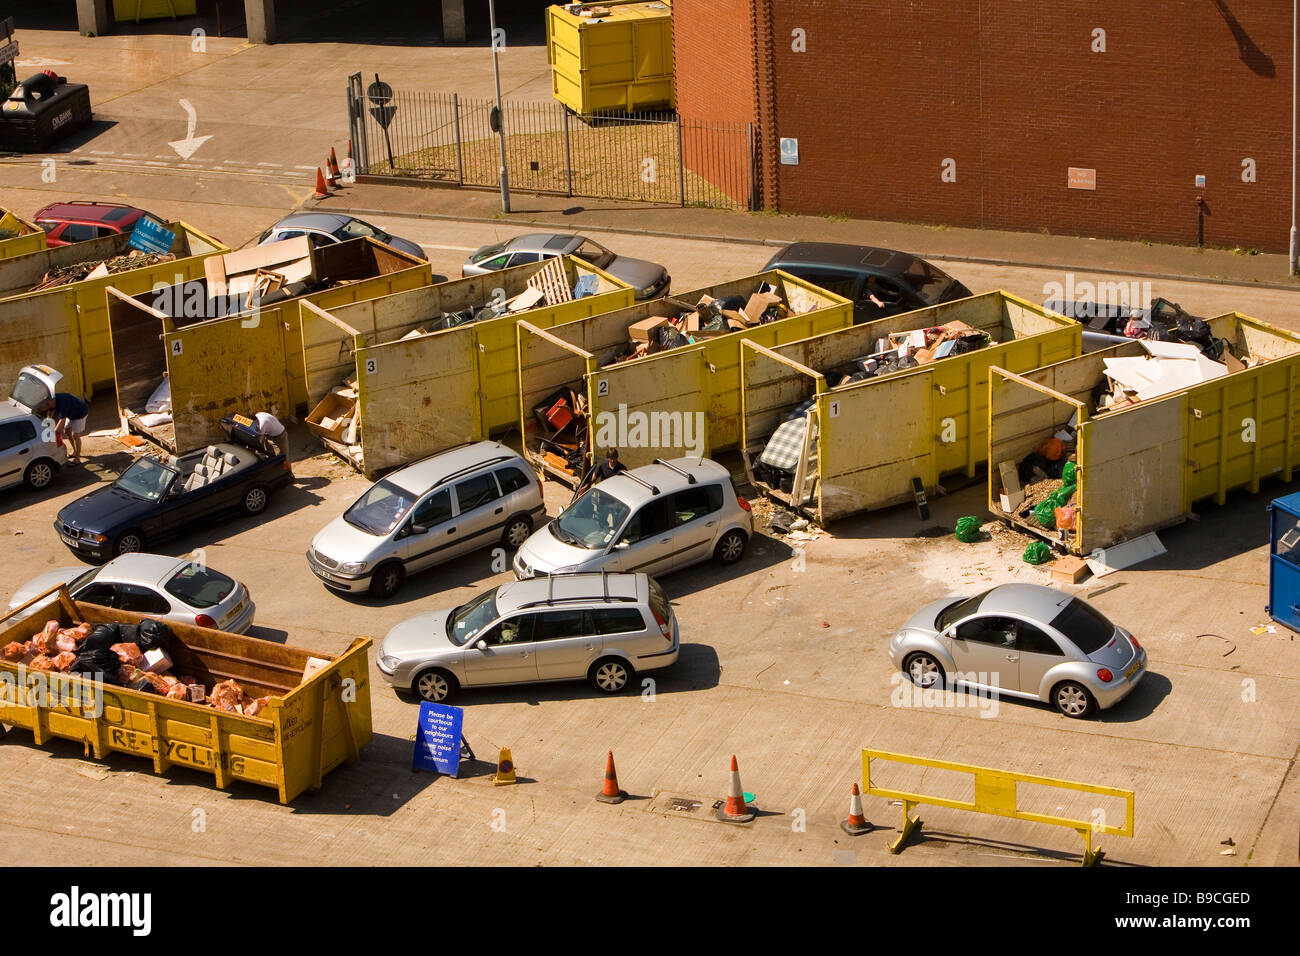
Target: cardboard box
[(1069, 570), (640, 331), (758, 304), (157, 661), (337, 410), (313, 665)]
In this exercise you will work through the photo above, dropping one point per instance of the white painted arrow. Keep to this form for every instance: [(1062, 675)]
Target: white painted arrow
[(187, 147)]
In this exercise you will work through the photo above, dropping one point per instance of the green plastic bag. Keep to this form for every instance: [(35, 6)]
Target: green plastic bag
[(968, 529), (1045, 513), (1069, 474), (1037, 553)]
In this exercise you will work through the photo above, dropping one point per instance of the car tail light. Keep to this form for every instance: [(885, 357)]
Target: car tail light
[(1104, 675), (204, 621), (1134, 641), (740, 500), (248, 595), (58, 439), (663, 626)]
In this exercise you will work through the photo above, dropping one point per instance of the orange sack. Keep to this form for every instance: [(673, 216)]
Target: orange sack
[(14, 651), (1051, 449)]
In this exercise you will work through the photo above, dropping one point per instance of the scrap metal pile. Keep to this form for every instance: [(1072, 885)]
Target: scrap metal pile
[(126, 655), (135, 259)]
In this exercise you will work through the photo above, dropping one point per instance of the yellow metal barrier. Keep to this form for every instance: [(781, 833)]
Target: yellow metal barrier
[(995, 793)]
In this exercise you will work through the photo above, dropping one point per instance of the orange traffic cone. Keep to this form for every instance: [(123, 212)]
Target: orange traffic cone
[(735, 810), (505, 769), (322, 188), (609, 792), (334, 165), (856, 824)]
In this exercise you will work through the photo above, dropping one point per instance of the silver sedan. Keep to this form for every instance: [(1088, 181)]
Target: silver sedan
[(173, 589), (1022, 640), (648, 279)]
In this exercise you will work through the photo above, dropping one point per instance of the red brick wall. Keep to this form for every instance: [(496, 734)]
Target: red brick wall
[(1013, 93)]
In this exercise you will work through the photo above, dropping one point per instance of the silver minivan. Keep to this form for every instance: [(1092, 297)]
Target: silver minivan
[(656, 518), (427, 513), (605, 628), (29, 453)]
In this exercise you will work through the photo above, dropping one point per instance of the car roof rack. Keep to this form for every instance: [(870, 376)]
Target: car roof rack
[(475, 467), (653, 489), (690, 479)]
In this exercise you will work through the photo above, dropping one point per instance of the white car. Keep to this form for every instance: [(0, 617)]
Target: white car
[(30, 454), (656, 518), (174, 589)]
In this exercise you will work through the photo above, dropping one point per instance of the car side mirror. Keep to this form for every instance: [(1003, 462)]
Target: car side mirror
[(480, 645), (419, 529), (622, 545)]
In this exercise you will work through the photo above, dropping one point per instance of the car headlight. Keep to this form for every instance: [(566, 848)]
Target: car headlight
[(898, 638), (98, 538), (388, 662), (353, 567)]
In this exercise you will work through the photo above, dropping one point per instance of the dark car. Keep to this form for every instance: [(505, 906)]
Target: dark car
[(162, 497), (76, 221), (879, 282), (327, 228)]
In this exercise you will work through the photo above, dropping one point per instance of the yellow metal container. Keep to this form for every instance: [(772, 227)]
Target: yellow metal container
[(669, 390), (1142, 468), (241, 363), (866, 440), (66, 327), (424, 394), (621, 61), (27, 236), (308, 727), (137, 10)]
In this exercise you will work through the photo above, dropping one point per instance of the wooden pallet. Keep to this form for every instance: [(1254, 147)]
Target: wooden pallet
[(551, 281)]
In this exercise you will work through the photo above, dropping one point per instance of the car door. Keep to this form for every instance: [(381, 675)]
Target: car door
[(566, 643), (103, 593), (438, 541), (524, 258), (624, 629), (646, 541), (480, 512), (1039, 652), (15, 451), (695, 513), (495, 263), (175, 512), (984, 650), (508, 654)]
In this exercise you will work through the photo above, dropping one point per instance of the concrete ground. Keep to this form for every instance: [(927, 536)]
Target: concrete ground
[(784, 660)]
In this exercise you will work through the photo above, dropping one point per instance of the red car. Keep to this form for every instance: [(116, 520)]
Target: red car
[(79, 220)]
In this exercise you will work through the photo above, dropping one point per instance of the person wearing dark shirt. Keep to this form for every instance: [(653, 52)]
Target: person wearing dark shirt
[(70, 413), (608, 468)]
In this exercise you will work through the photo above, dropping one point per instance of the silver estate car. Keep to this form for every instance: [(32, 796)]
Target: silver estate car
[(649, 280), (174, 589), (605, 628), (656, 518), (1022, 640), (26, 457), (427, 513)]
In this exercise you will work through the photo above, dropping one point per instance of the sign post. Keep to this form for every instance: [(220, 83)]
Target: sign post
[(382, 109)]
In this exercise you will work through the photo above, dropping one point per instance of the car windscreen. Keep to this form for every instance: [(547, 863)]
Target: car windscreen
[(1085, 625), (468, 619), (930, 283), (147, 478), (381, 509), (955, 612), (659, 602), (594, 253), (592, 521), (199, 586)]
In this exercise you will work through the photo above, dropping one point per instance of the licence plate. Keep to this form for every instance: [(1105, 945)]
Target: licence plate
[(1133, 669), (234, 615), (241, 420), (67, 538)]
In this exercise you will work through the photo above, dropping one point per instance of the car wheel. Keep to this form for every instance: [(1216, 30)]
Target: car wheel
[(387, 579), (924, 671), (128, 542), (435, 685), (39, 474), (517, 531), (731, 547), (611, 674), (1073, 700), (255, 500)]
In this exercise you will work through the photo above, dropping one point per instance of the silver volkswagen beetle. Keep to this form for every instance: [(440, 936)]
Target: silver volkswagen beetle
[(1022, 640)]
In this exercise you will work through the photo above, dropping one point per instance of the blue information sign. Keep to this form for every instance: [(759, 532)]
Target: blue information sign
[(437, 739), (151, 236)]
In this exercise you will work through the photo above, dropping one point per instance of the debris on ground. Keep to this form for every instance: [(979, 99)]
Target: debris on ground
[(82, 270)]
